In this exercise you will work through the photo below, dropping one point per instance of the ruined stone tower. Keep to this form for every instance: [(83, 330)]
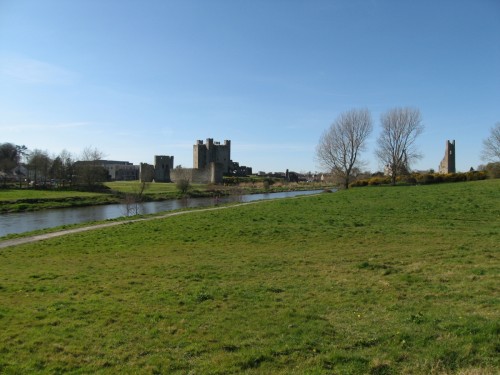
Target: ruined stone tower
[(163, 166), (448, 163), (212, 152)]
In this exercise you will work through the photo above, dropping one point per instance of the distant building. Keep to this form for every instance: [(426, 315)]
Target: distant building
[(236, 170), (448, 163), (120, 170)]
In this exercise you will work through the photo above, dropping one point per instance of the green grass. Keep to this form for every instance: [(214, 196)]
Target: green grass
[(383, 280), (19, 200), (26, 194), (151, 188)]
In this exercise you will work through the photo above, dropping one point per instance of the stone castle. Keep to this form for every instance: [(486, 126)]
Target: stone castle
[(211, 161), (212, 152), (447, 165)]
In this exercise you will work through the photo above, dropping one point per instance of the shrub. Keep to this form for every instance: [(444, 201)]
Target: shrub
[(476, 175), (438, 178), (374, 181), (454, 177), (493, 170), (183, 185), (230, 180), (409, 179), (424, 178), (358, 183)]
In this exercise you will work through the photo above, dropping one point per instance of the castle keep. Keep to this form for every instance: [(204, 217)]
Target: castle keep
[(211, 161), (448, 163), (212, 152)]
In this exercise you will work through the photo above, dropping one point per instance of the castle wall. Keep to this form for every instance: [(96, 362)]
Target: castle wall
[(211, 174), (146, 172)]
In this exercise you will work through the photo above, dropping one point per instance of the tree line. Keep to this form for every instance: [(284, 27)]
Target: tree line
[(40, 169), (340, 146)]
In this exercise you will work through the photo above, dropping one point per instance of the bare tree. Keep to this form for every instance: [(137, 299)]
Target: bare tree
[(133, 199), (339, 146), (183, 181), (89, 168), (491, 145), (396, 143)]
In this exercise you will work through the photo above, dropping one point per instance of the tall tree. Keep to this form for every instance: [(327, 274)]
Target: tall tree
[(39, 164), (57, 168), (339, 146), (8, 160), (396, 143), (491, 145), (9, 157), (62, 168)]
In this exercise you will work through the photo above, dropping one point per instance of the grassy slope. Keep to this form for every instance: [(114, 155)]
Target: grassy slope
[(18, 194), (373, 280), (17, 200)]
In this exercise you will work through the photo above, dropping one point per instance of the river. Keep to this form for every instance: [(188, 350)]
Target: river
[(30, 221)]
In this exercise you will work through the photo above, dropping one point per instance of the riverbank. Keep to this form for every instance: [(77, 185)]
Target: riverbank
[(27, 200), (21, 239), (23, 222)]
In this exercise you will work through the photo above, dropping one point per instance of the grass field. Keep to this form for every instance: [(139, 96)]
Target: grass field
[(383, 280)]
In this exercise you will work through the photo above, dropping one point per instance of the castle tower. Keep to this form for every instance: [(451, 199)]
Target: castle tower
[(199, 155), (212, 152), (448, 163), (163, 166)]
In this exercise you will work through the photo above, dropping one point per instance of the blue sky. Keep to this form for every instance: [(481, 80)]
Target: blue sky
[(136, 78)]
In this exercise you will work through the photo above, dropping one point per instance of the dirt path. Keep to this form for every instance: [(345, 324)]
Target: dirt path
[(41, 237)]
